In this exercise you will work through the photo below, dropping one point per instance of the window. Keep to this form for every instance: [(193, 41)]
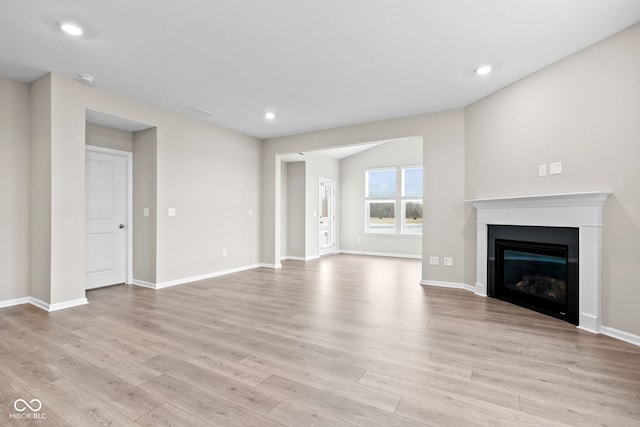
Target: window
[(384, 193), (380, 204), (412, 200)]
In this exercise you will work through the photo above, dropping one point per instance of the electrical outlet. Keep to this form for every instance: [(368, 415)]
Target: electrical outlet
[(447, 261), (434, 260), (555, 168), (172, 212)]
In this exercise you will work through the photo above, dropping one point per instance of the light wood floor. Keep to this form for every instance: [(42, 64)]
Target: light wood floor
[(345, 340)]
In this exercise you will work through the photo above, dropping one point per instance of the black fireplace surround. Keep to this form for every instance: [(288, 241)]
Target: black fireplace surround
[(535, 267)]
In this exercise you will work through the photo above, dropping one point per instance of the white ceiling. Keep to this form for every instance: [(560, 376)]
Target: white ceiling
[(337, 152), (317, 64)]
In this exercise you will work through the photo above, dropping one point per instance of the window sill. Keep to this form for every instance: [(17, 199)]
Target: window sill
[(392, 234)]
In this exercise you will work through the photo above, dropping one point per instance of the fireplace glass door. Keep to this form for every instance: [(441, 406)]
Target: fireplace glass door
[(533, 274)]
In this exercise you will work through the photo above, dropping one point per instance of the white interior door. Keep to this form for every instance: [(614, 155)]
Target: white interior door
[(327, 216), (106, 218)]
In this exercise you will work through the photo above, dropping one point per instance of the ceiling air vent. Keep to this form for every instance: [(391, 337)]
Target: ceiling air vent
[(199, 113)]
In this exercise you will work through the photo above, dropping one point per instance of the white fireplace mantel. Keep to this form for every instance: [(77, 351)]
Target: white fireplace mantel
[(579, 210)]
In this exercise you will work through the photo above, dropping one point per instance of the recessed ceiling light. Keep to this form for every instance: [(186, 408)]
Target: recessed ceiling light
[(483, 70), (269, 115), (71, 29)]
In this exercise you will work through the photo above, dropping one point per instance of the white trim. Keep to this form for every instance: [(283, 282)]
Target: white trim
[(453, 285), (128, 157), (142, 283), (39, 303), (267, 265), (330, 249), (621, 335), (204, 276), (57, 306), (301, 258), (579, 210), (393, 255), (68, 304), (16, 301)]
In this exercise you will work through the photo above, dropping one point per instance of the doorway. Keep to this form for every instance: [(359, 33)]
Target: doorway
[(327, 209), (107, 217)]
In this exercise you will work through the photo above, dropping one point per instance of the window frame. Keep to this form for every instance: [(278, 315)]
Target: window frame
[(404, 199), (399, 201), (368, 200)]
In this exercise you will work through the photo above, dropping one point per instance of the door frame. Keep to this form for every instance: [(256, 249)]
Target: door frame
[(128, 157), (332, 249)]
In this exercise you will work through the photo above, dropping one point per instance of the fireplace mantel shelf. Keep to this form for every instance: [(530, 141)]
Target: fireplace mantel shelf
[(566, 199), (579, 210)]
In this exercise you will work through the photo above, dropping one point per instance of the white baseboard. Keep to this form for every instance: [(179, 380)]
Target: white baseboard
[(300, 258), (57, 306), (267, 265), (205, 276), (621, 335), (589, 323), (68, 304), (39, 303), (12, 302), (453, 285), (393, 255), (143, 283)]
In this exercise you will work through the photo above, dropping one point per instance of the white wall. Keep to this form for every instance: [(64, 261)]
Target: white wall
[(14, 189), (107, 137), (209, 174), (585, 112), (404, 152)]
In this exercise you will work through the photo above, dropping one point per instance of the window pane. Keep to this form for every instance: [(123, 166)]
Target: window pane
[(381, 183), (412, 183), (382, 217), (412, 217)]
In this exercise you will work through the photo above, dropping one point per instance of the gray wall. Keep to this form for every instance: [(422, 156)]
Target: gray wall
[(14, 189), (145, 148), (585, 112), (317, 166), (284, 201), (40, 189), (442, 134), (295, 211), (405, 152)]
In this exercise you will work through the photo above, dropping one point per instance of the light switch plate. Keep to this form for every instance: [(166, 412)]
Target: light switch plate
[(434, 260), (172, 211), (542, 170), (145, 212)]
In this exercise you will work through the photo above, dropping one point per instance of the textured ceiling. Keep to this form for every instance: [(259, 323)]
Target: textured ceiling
[(317, 64)]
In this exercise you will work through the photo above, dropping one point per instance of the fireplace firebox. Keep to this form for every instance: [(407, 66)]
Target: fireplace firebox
[(535, 267)]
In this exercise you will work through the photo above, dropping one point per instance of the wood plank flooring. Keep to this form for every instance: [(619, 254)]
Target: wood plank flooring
[(341, 341)]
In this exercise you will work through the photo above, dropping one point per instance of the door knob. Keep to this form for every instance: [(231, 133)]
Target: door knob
[(121, 226)]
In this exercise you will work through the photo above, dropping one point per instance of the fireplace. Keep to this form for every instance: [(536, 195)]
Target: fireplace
[(577, 210), (535, 267)]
